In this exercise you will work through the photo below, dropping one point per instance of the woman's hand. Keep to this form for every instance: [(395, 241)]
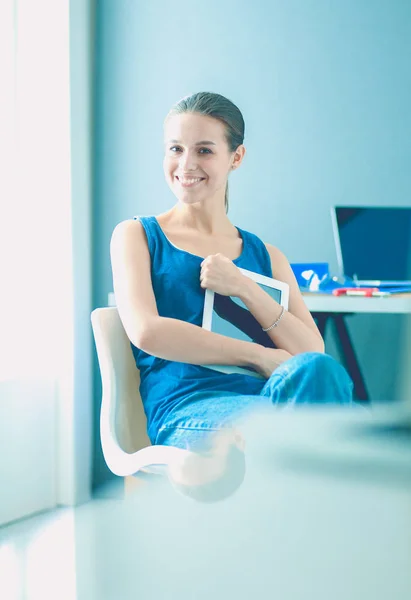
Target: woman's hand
[(270, 359), (219, 274)]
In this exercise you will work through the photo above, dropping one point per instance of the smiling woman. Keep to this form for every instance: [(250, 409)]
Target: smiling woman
[(224, 122), (163, 265)]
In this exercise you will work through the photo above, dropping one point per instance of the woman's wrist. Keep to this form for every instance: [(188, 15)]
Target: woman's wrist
[(254, 356), (264, 308), (248, 286)]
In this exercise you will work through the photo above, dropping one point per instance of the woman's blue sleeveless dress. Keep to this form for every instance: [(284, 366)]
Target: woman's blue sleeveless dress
[(185, 402), (175, 274)]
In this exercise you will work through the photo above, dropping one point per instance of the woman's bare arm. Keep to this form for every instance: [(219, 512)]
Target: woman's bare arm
[(163, 337), (297, 331)]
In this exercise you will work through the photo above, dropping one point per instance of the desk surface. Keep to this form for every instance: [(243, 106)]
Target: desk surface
[(400, 304), (323, 512), (397, 303)]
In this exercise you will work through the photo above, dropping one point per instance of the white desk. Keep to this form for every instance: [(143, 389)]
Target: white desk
[(396, 304), (325, 307)]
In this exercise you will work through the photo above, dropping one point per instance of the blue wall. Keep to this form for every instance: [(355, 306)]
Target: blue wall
[(325, 89)]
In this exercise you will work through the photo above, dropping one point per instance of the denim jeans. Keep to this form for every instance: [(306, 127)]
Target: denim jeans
[(308, 378)]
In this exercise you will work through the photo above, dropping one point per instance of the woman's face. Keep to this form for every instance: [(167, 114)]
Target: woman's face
[(197, 158)]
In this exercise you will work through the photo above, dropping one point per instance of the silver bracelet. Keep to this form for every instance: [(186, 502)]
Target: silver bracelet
[(275, 322)]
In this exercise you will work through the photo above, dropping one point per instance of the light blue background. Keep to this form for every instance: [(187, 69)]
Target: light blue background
[(325, 90)]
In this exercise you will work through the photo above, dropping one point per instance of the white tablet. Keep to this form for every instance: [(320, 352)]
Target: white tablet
[(229, 316)]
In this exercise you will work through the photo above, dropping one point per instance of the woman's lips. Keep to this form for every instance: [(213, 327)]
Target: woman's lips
[(189, 182)]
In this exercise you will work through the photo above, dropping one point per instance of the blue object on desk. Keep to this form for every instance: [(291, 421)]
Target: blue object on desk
[(310, 275), (316, 278), (329, 284)]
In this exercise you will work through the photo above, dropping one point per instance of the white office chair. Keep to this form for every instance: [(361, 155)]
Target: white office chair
[(124, 440)]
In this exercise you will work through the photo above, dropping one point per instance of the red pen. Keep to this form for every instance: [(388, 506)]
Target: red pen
[(356, 291)]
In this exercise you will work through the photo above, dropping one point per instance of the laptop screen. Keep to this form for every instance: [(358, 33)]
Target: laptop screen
[(373, 243)]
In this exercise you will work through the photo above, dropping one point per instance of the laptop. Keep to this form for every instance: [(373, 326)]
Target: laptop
[(229, 316), (373, 244)]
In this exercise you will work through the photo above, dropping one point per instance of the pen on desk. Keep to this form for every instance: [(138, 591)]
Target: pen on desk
[(364, 293), (355, 291)]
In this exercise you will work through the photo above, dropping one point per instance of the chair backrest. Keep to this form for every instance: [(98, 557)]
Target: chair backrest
[(123, 419)]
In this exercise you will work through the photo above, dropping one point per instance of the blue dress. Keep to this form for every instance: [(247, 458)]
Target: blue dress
[(181, 396), (175, 277)]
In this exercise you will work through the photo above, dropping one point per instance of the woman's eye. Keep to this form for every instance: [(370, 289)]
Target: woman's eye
[(175, 149)]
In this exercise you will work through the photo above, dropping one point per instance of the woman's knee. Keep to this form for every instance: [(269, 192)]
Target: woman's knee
[(316, 360), (321, 366), (330, 371)]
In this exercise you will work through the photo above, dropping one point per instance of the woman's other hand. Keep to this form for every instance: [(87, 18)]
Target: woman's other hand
[(270, 359), (219, 274)]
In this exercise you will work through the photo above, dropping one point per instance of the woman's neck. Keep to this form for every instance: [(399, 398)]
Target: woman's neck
[(205, 222)]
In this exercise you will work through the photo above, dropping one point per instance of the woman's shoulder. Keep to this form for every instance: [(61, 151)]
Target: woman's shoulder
[(128, 225), (128, 233), (280, 265), (275, 253)]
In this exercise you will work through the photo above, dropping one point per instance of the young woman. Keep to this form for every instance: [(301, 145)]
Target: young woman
[(161, 268)]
